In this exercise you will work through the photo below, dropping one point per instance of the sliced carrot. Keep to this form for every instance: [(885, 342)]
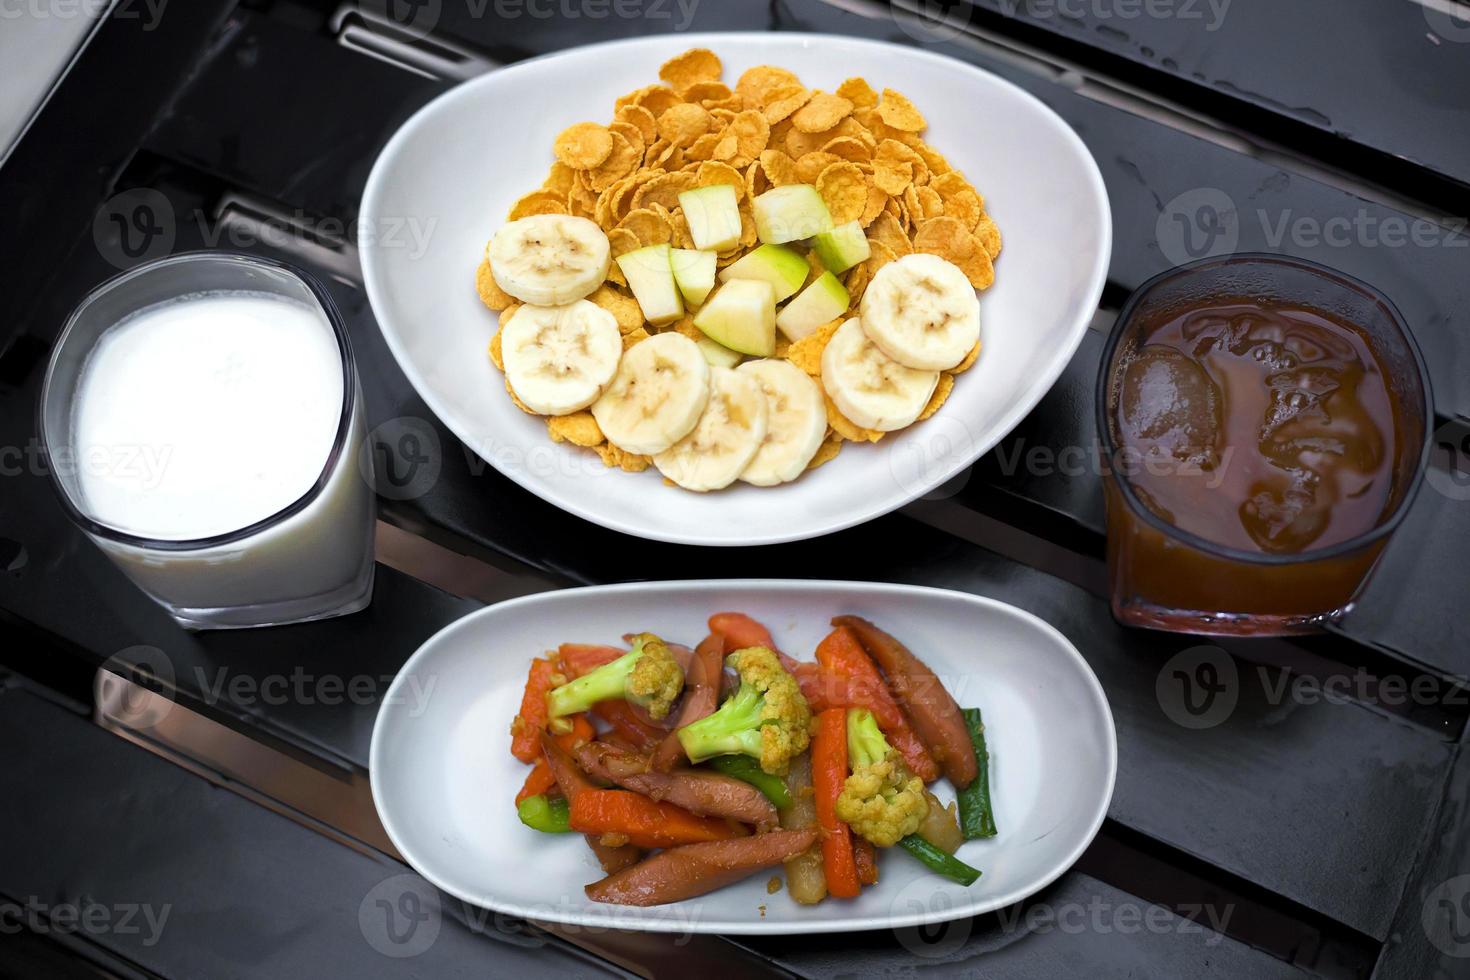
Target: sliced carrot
[(525, 730), (582, 731), (539, 781), (645, 822), (578, 658), (865, 857), (829, 772), (854, 681), (740, 631), (627, 725)]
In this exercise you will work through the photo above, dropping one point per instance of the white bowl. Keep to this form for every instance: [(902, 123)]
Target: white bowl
[(445, 181), (443, 777)]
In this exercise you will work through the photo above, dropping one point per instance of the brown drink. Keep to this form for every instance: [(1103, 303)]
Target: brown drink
[(1266, 422)]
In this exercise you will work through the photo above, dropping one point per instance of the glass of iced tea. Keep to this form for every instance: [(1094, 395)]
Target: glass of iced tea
[(1265, 425)]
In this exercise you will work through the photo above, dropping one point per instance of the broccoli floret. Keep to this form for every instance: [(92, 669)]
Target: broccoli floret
[(646, 675), (880, 801), (766, 719)]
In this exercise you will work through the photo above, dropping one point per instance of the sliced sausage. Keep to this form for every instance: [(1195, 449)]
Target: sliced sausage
[(708, 794), (697, 869), (571, 781), (701, 694)]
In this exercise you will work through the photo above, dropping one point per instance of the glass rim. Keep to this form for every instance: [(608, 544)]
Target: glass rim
[(1214, 549), (339, 443)]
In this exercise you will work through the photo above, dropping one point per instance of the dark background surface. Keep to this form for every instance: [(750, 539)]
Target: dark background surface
[(1334, 830)]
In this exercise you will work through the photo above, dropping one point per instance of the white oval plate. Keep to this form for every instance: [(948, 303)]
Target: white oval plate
[(443, 777), (442, 186)]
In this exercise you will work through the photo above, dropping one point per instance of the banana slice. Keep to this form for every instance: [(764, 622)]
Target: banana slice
[(729, 433), (869, 387), (922, 311), (549, 259), (656, 398), (796, 422), (559, 359)]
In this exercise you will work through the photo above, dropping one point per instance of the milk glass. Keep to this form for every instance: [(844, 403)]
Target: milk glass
[(310, 554)]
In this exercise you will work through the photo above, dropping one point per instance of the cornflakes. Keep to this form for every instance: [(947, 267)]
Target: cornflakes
[(821, 113), (579, 428), (693, 66), (583, 145)]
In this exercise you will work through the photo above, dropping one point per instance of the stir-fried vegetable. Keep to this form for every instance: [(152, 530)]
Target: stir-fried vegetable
[(941, 826), (923, 697), (939, 862), (766, 718), (977, 818), (548, 814), (880, 800), (854, 682), (748, 770), (829, 773), (805, 881), (525, 729), (644, 822), (538, 781), (646, 675)]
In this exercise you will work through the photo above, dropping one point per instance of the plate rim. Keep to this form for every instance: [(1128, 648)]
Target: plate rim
[(622, 920), (1031, 396)]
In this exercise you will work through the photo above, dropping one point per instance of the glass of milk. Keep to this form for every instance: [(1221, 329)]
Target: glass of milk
[(203, 418)]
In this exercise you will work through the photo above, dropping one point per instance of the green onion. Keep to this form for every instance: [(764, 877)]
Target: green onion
[(749, 771), (939, 862), (977, 819), (550, 816)]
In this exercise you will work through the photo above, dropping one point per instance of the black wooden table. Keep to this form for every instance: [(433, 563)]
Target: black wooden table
[(1310, 819)]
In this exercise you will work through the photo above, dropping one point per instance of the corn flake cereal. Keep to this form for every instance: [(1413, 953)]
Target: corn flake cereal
[(579, 428), (821, 113), (490, 292), (583, 145), (693, 66), (845, 189)]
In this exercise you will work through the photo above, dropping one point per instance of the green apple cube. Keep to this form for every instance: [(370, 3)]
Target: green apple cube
[(790, 213), (694, 272), (741, 316), (713, 214), (842, 248), (785, 269), (650, 275), (718, 355), (822, 302)]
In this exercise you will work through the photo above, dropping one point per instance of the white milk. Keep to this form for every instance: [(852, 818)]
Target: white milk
[(204, 415)]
